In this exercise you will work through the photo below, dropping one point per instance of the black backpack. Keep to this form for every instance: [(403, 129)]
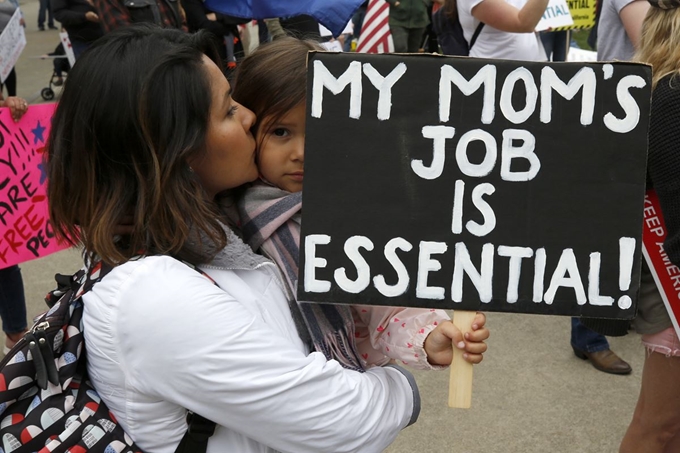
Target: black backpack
[(47, 404), (450, 34)]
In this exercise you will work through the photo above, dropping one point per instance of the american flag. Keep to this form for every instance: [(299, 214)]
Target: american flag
[(375, 33)]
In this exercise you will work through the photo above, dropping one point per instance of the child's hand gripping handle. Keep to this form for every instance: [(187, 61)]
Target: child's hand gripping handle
[(460, 381)]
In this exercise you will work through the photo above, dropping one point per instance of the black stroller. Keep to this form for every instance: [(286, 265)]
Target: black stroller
[(61, 66)]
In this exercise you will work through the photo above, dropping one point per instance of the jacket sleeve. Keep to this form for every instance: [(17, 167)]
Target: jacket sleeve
[(64, 15), (7, 8), (219, 358), (396, 332)]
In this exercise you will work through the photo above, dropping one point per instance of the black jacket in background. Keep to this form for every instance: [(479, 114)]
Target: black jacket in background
[(71, 14), (196, 19), (302, 26)]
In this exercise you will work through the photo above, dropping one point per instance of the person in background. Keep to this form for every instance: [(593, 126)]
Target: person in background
[(80, 20), (12, 306), (589, 344), (114, 14), (60, 63), (45, 11), (302, 27), (357, 23), (7, 10), (408, 20), (222, 27), (12, 298), (508, 30), (619, 29), (655, 426), (556, 44)]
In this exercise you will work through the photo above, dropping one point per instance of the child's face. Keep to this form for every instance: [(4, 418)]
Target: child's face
[(282, 150)]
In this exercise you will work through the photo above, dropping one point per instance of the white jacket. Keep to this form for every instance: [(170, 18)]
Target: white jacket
[(161, 338)]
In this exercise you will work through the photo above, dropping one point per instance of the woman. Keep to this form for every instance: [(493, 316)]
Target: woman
[(81, 21), (146, 128), (508, 27), (655, 427)]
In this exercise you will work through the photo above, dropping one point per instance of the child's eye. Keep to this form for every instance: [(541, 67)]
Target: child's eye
[(281, 132), (232, 110)]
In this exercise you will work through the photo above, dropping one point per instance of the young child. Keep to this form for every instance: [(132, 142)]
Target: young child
[(272, 83)]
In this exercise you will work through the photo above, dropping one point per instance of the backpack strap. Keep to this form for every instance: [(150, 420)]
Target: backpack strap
[(478, 30), (200, 429), (197, 436)]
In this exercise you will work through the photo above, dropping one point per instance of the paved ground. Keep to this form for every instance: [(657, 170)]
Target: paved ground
[(531, 395)]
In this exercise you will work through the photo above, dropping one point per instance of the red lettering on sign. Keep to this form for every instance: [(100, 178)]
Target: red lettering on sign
[(21, 228), (34, 222), (10, 238)]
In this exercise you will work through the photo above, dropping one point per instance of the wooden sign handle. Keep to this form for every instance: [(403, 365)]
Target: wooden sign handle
[(460, 381)]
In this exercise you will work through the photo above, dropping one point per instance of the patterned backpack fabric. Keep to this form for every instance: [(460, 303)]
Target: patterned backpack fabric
[(47, 404)]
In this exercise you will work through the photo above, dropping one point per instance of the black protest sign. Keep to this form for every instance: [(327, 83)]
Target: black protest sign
[(474, 184)]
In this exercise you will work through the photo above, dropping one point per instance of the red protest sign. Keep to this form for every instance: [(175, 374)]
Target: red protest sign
[(25, 230), (666, 274)]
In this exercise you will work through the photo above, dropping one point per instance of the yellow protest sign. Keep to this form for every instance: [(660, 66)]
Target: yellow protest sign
[(583, 13)]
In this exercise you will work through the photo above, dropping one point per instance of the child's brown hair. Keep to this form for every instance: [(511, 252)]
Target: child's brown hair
[(273, 79)]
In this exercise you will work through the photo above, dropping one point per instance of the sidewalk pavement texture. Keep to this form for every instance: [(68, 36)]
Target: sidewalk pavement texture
[(530, 394)]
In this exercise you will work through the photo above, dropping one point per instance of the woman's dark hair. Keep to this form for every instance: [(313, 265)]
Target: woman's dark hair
[(135, 107), (273, 79)]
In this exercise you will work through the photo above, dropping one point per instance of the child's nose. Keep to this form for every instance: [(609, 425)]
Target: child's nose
[(299, 149)]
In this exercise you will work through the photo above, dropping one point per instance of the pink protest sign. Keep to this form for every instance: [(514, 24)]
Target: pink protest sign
[(25, 230)]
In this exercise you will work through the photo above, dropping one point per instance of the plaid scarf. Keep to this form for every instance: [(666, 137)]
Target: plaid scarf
[(270, 219)]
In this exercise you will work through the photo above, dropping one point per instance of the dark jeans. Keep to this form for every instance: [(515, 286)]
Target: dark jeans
[(263, 31), (556, 44), (10, 83), (406, 39), (79, 46), (45, 8), (12, 301), (585, 339)]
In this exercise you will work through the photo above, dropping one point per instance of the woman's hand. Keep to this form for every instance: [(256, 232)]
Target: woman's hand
[(439, 343), (17, 106)]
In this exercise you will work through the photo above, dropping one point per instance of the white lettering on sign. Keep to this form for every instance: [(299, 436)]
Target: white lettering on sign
[(384, 86), (530, 100), (632, 118), (401, 286), (485, 77), (324, 79), (566, 275), (584, 81)]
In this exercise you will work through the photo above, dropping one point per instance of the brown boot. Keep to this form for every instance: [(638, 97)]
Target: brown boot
[(606, 361)]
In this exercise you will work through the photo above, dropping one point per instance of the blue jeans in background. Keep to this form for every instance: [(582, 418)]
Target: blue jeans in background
[(556, 44), (585, 339), (45, 9)]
